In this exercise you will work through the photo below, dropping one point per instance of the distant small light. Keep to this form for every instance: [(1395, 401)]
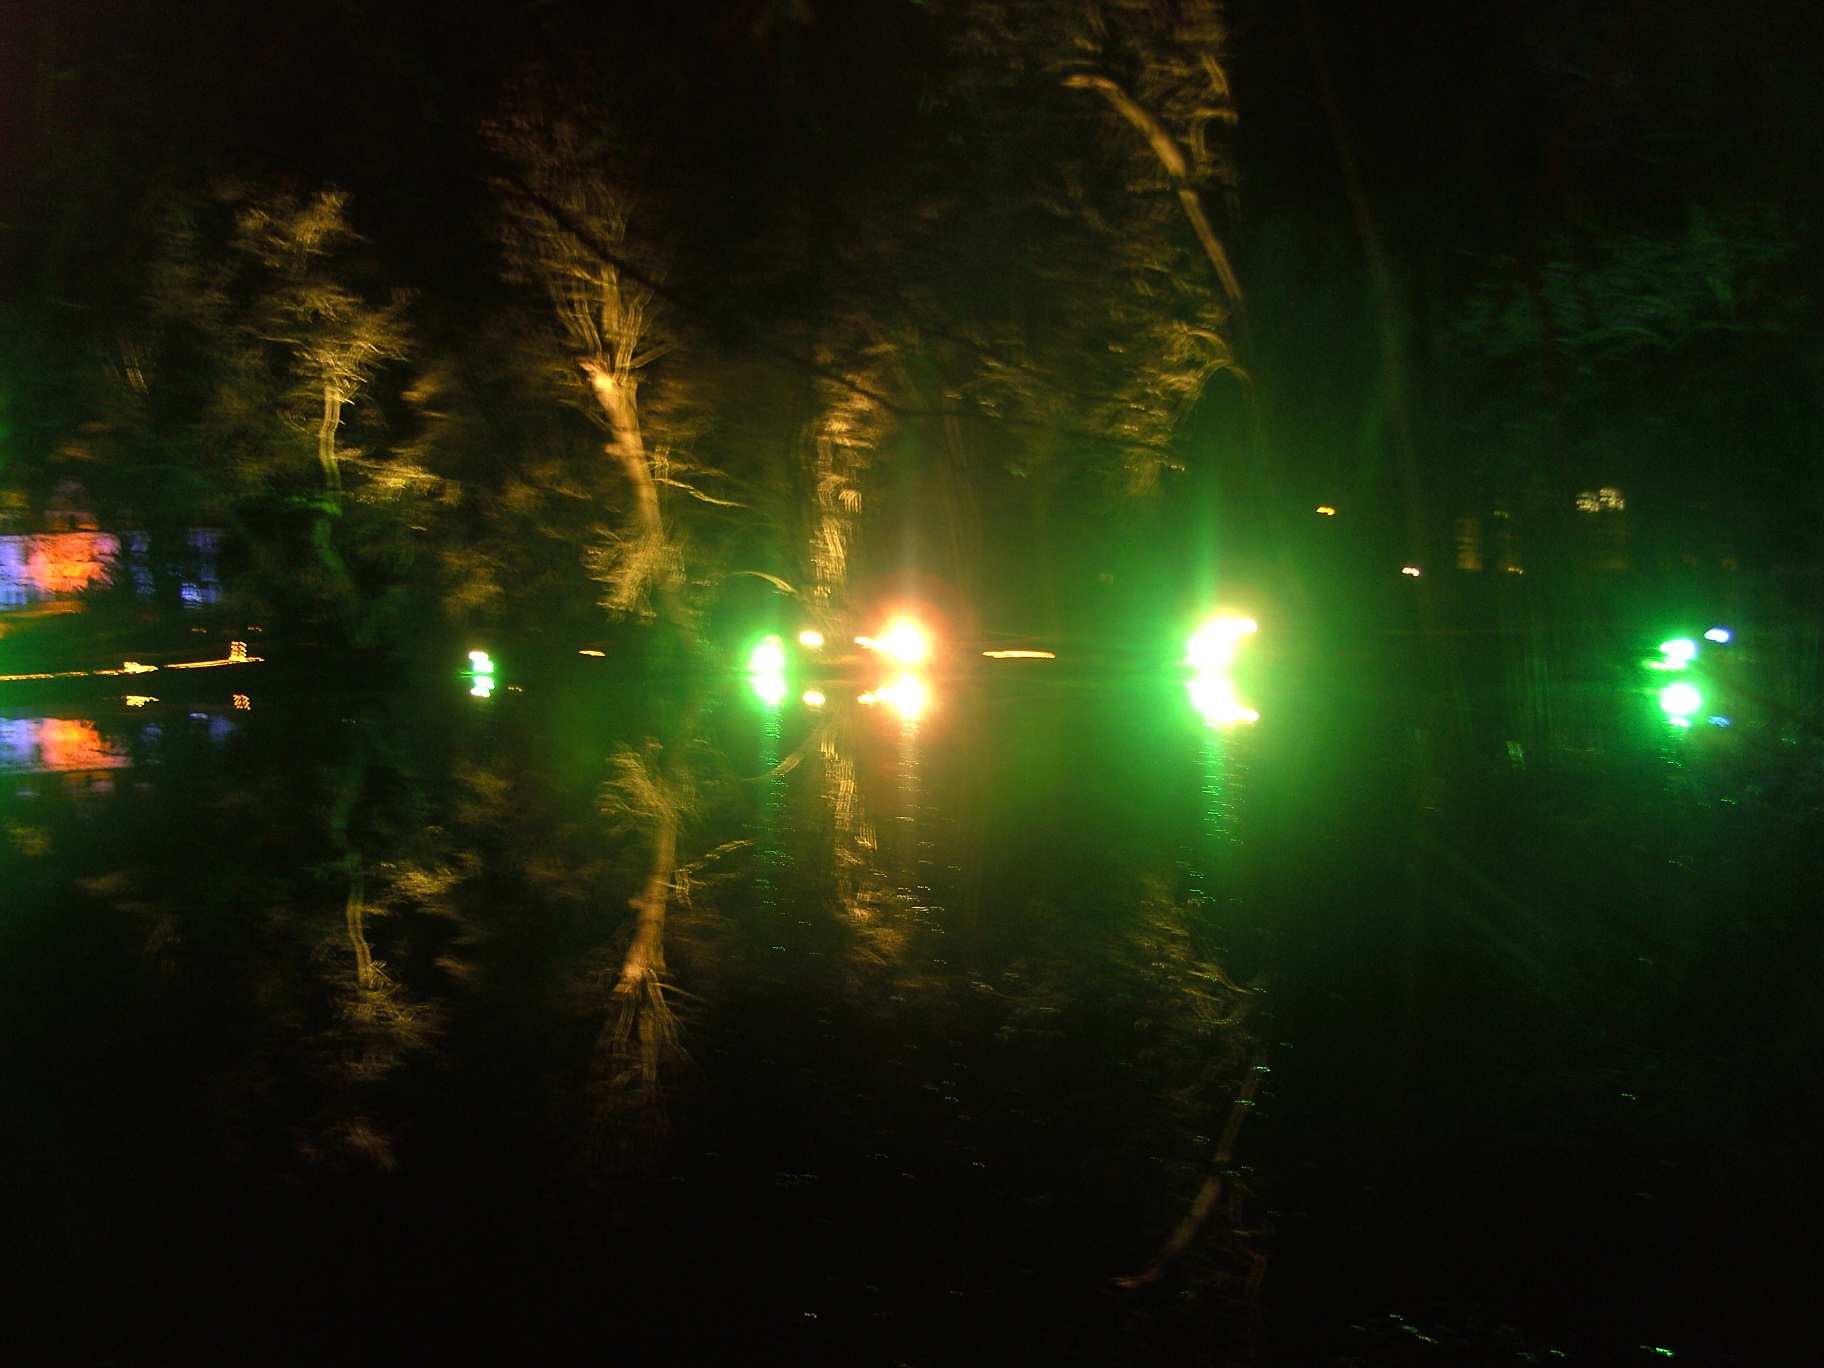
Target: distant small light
[(242, 703), (1720, 635), (810, 640), (591, 651), (1020, 655), (1680, 700), (139, 700), (1718, 721), (1411, 570), (1680, 649), (1326, 511), (813, 698)]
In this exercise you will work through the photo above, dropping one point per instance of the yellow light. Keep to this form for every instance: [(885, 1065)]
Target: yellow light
[(134, 667), (591, 651), (867, 700), (242, 703), (1411, 570), (139, 700), (810, 640), (907, 694), (813, 698), (904, 641), (1325, 510), (1020, 655)]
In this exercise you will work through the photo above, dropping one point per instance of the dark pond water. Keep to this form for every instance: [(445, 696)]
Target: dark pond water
[(308, 1051)]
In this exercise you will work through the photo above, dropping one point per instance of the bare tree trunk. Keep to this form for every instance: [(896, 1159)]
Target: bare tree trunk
[(646, 955), (617, 401)]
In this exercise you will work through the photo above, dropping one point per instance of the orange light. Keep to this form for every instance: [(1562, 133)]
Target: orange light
[(588, 651)]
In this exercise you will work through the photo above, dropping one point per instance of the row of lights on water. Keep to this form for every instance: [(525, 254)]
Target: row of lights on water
[(905, 645)]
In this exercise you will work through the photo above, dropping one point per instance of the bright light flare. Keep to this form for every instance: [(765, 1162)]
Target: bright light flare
[(904, 641), (1679, 701), (481, 663), (1213, 646), (813, 698), (1722, 636), (769, 688), (768, 657), (1412, 571), (811, 640), (1021, 655), (1680, 651), (483, 687), (907, 696), (1213, 695)]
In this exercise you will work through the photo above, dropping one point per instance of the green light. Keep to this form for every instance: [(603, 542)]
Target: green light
[(1680, 651), (483, 687), (1679, 701), (481, 663), (1213, 695), (768, 657), (769, 688)]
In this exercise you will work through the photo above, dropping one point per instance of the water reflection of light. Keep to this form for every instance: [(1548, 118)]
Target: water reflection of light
[(57, 745), (769, 688), (906, 694), (1213, 695)]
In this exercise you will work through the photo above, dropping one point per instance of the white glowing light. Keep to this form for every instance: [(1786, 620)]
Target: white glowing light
[(810, 640), (813, 698), (1213, 695), (1411, 570), (1214, 644), (1720, 635)]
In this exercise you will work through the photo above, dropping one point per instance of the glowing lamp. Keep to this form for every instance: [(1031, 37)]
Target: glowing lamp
[(768, 657), (813, 698), (904, 641), (1213, 645), (1679, 701), (1720, 635), (1412, 571), (481, 663), (810, 640), (1325, 511)]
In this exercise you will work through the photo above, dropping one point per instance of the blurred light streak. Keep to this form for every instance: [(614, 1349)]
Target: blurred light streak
[(1020, 655)]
